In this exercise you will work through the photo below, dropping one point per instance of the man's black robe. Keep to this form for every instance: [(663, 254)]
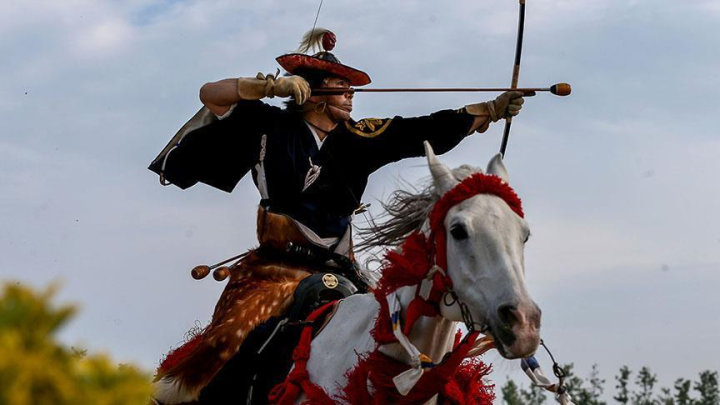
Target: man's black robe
[(223, 151)]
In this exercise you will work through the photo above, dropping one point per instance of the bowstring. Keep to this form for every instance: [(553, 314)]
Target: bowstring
[(317, 15)]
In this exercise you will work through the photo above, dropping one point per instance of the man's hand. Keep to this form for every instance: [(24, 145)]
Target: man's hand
[(506, 105), (270, 86), (294, 86)]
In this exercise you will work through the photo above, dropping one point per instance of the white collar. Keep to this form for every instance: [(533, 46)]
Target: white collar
[(318, 141)]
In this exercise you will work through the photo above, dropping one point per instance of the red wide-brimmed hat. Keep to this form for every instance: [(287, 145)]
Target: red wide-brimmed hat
[(324, 60)]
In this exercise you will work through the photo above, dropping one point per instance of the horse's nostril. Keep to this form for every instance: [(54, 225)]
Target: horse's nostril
[(508, 314)]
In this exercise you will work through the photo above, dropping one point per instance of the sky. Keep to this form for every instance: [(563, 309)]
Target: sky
[(619, 180)]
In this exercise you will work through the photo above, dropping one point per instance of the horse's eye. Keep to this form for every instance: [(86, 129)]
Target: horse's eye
[(458, 232)]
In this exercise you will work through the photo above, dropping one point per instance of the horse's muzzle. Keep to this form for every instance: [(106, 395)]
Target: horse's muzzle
[(516, 329)]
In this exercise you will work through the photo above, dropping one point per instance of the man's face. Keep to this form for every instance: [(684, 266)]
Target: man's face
[(339, 105)]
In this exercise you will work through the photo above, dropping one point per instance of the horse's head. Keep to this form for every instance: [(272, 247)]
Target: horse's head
[(484, 242)]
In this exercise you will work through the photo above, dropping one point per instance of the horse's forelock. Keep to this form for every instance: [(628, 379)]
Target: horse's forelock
[(405, 211)]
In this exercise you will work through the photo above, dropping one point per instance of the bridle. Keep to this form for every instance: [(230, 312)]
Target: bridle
[(437, 286), (422, 262)]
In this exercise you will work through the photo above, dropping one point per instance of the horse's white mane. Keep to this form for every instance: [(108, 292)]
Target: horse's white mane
[(404, 213)]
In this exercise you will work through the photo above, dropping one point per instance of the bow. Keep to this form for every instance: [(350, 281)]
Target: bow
[(516, 72)]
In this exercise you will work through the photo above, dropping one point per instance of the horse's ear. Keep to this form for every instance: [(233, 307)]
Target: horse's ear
[(442, 176), (497, 167)]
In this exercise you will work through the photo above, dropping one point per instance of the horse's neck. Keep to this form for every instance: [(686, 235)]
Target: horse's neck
[(432, 336)]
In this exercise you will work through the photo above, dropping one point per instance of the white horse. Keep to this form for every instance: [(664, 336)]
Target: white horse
[(484, 286)]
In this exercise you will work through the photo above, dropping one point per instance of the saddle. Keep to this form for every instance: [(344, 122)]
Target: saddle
[(265, 358)]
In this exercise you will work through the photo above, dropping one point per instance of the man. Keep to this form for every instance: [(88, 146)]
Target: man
[(311, 162)]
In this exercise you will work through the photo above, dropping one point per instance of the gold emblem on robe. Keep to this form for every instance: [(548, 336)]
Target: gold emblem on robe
[(369, 127)]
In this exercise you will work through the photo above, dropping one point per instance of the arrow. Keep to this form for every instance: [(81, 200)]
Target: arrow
[(559, 89)]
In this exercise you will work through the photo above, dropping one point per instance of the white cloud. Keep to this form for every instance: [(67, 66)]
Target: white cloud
[(109, 37)]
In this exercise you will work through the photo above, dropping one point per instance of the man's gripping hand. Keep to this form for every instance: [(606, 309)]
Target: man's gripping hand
[(271, 85), (505, 105), (294, 86)]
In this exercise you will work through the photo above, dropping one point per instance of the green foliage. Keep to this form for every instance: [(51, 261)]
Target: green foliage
[(707, 388), (511, 396), (596, 386), (580, 393), (534, 396), (35, 369), (666, 397), (623, 395), (590, 390), (574, 384), (682, 392), (646, 381)]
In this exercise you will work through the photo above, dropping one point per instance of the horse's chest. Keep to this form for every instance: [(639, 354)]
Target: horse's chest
[(334, 354)]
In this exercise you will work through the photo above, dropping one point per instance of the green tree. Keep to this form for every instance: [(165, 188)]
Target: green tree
[(623, 394), (534, 395), (511, 394), (35, 369), (666, 397), (682, 392), (646, 381), (589, 394), (575, 386), (573, 383), (707, 388), (596, 387)]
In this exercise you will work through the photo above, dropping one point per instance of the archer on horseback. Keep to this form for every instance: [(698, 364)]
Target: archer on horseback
[(310, 162)]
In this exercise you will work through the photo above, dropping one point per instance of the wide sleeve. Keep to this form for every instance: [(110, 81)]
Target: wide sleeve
[(217, 152), (390, 140)]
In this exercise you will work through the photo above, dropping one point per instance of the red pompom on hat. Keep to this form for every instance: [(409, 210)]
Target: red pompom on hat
[(328, 41), (323, 60)]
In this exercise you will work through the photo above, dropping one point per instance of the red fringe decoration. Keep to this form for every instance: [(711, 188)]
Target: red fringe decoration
[(176, 356), (478, 183), (287, 392), (456, 381), (407, 267), (382, 331), (401, 269), (419, 307), (458, 338), (467, 385)]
